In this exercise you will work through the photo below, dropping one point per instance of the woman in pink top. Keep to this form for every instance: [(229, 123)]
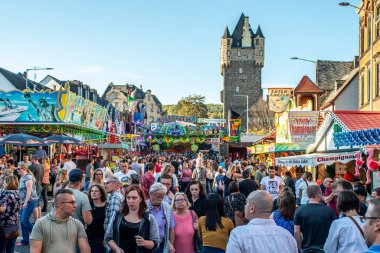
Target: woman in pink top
[(184, 229), (185, 176)]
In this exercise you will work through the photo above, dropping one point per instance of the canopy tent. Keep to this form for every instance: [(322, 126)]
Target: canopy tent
[(316, 159)]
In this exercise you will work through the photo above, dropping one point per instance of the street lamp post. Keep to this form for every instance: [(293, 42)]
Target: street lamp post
[(247, 96), (35, 69), (371, 49)]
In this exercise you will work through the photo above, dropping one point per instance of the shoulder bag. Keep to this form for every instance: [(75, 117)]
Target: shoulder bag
[(238, 215), (197, 238), (11, 232), (357, 225)]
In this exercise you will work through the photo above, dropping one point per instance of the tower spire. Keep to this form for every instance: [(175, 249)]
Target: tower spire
[(226, 33), (259, 32)]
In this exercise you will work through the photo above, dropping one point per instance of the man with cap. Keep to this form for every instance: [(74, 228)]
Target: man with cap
[(83, 210)]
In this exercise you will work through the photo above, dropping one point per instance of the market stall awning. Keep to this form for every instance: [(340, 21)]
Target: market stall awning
[(316, 159)]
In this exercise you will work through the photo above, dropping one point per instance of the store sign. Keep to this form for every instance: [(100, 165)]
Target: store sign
[(279, 99), (294, 162), (316, 159), (211, 121), (303, 126)]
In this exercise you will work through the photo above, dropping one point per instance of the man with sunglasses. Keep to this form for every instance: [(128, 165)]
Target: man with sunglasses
[(58, 231), (372, 226)]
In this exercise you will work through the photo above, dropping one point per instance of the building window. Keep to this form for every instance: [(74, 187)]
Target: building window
[(238, 53), (148, 97), (377, 80), (362, 91), (257, 42), (237, 89), (261, 52), (368, 84), (361, 41), (369, 33), (240, 70), (237, 43), (116, 105), (378, 21)]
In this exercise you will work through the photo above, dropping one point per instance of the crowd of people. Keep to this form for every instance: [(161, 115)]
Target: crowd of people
[(168, 202)]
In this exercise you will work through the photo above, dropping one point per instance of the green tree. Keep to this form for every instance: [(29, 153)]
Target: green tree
[(170, 109), (193, 105), (215, 110)]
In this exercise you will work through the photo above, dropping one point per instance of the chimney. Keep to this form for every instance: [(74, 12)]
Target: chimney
[(141, 87), (356, 61)]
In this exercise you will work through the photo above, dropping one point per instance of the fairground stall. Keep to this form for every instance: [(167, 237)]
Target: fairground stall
[(46, 113), (182, 137)]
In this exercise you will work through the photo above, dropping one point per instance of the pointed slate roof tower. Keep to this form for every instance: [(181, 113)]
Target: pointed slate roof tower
[(259, 32)]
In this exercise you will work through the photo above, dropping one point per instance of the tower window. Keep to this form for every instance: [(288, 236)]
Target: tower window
[(257, 42), (238, 53), (361, 40), (237, 89), (362, 91), (240, 70)]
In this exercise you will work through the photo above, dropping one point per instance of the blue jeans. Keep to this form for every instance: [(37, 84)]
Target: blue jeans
[(26, 225)]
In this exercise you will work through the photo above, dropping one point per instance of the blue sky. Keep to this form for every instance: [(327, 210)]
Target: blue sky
[(170, 46)]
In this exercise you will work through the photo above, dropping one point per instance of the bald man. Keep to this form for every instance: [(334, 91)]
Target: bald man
[(261, 234)]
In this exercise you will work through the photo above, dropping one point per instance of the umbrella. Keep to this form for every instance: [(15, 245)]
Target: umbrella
[(23, 140), (61, 139)]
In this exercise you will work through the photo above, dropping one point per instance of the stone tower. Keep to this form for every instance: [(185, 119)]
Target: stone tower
[(242, 58)]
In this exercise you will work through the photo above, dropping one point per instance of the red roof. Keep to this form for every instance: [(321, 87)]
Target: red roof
[(359, 120), (307, 86)]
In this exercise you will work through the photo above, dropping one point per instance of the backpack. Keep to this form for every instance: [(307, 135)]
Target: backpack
[(221, 184)]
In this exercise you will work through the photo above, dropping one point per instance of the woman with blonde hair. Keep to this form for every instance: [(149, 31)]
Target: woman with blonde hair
[(45, 181), (29, 198), (231, 175), (187, 224), (96, 178), (62, 177), (105, 167)]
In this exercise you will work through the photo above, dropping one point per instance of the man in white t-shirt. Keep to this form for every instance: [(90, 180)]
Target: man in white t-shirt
[(69, 165), (308, 177), (272, 183), (125, 173)]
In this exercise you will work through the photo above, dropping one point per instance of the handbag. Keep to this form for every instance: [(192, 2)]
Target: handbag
[(11, 232), (197, 238), (238, 215)]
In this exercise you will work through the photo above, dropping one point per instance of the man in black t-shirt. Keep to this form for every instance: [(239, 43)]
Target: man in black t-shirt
[(38, 172), (313, 220), (247, 185)]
